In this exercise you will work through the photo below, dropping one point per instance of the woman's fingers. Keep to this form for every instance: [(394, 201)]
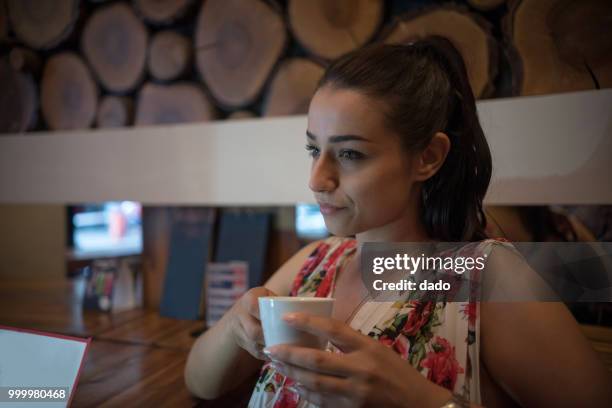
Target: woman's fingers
[(317, 398), (250, 302), (246, 327), (314, 381), (259, 354), (342, 335), (314, 360), (251, 337), (252, 329), (254, 349)]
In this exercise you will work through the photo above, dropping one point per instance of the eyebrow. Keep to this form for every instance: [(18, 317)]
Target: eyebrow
[(339, 138)]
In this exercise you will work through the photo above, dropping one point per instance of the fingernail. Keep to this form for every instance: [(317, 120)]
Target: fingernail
[(268, 351), (290, 317)]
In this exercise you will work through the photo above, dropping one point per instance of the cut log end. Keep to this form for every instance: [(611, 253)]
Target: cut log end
[(18, 100), (169, 55), (168, 104), (25, 60), (42, 24), (68, 93), (238, 43), (161, 11), (470, 35), (329, 29), (114, 112), (573, 51), (115, 44), (581, 32), (292, 87)]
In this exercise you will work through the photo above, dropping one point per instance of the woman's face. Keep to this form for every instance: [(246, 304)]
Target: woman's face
[(360, 175)]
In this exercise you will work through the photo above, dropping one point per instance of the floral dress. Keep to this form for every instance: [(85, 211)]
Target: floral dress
[(441, 340)]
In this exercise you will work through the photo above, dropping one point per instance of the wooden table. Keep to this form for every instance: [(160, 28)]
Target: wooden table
[(136, 358)]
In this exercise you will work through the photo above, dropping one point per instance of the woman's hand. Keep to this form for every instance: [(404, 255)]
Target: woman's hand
[(366, 374), (245, 323)]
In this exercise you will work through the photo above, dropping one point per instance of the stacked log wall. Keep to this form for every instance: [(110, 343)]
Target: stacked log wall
[(263, 57)]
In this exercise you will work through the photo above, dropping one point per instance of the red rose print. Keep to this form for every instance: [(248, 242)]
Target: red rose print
[(330, 269), (278, 378), (401, 344), (325, 285), (313, 260), (286, 399), (386, 340), (418, 317), (442, 364), (469, 310)]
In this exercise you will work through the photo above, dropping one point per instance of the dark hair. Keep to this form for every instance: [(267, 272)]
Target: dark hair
[(425, 89)]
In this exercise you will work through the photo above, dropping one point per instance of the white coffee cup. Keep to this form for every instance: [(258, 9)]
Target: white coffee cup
[(276, 331)]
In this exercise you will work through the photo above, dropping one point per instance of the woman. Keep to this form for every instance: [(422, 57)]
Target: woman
[(398, 155)]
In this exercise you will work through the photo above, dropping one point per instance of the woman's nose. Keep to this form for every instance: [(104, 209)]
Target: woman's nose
[(323, 176)]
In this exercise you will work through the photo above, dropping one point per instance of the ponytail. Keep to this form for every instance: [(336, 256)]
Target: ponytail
[(452, 198)]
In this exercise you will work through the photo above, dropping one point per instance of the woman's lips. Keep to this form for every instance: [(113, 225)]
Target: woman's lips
[(329, 209)]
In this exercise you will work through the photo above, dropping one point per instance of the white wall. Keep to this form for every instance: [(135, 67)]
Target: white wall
[(546, 149)]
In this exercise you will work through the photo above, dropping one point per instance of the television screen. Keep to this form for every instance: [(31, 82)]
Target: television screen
[(111, 228), (309, 222)]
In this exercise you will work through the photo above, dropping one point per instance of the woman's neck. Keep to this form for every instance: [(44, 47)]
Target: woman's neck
[(398, 233), (406, 228)]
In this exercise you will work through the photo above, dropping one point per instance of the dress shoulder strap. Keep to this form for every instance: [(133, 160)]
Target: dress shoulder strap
[(316, 274)]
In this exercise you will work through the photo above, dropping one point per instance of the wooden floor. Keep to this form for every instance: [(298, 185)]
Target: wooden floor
[(135, 359)]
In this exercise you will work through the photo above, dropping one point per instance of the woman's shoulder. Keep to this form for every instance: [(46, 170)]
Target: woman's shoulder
[(302, 263), (486, 246), (327, 253), (491, 249)]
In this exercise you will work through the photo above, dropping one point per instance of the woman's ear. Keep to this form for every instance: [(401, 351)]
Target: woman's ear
[(432, 157)]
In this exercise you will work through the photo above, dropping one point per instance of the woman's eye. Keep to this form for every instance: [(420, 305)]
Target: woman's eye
[(313, 151), (350, 155)]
